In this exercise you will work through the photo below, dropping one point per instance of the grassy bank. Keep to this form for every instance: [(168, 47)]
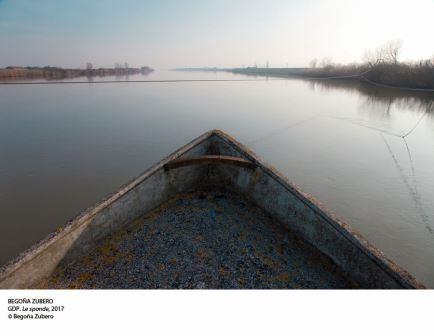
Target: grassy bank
[(402, 75), (275, 72)]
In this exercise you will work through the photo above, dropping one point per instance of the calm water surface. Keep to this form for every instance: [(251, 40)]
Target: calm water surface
[(64, 147)]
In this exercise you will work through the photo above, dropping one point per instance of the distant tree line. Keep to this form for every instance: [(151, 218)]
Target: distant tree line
[(382, 66), (50, 72)]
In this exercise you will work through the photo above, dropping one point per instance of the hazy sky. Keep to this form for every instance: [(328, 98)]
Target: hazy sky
[(165, 34)]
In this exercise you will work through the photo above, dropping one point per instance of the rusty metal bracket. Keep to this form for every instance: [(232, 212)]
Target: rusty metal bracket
[(209, 159)]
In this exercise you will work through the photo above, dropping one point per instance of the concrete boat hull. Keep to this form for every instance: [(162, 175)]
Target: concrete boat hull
[(360, 263)]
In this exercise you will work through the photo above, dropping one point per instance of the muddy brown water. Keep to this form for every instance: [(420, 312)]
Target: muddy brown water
[(65, 146)]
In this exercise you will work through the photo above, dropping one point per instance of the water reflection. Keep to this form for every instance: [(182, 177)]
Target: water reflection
[(91, 78), (380, 103), (378, 100)]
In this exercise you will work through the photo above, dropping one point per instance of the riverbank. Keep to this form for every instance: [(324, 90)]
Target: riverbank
[(401, 76), (273, 72), (61, 73)]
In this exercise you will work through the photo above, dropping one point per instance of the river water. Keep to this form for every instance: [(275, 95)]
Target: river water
[(63, 147)]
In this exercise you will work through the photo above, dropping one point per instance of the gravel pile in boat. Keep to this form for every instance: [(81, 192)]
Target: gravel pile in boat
[(202, 240)]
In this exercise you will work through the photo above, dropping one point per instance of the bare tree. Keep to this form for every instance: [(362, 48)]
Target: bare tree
[(126, 65), (387, 53), (326, 62), (391, 51), (372, 58), (313, 63)]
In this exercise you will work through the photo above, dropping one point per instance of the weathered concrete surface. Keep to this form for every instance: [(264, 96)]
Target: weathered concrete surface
[(263, 186)]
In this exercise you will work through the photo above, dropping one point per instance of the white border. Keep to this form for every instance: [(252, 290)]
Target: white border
[(227, 312)]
